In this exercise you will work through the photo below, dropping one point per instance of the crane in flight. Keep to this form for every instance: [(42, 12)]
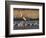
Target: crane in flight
[(22, 16)]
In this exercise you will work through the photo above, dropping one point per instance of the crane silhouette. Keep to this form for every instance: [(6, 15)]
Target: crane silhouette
[(22, 16)]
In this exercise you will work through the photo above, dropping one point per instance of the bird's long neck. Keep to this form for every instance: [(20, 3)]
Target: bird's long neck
[(20, 13)]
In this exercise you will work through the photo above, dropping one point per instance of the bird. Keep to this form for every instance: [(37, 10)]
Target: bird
[(22, 16)]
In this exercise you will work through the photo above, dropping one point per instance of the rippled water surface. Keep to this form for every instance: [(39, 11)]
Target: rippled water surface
[(26, 25)]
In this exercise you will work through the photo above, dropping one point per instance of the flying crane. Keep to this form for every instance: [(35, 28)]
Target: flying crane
[(22, 16)]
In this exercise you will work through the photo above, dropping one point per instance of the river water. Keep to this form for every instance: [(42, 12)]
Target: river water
[(26, 25)]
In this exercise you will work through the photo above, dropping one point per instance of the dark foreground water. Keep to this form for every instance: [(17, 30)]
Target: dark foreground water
[(26, 25)]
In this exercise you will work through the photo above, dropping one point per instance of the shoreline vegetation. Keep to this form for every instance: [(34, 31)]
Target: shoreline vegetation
[(20, 19)]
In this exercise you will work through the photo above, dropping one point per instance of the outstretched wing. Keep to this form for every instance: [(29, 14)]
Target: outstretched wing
[(24, 18)]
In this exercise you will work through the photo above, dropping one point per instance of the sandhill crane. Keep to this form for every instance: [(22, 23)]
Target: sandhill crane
[(22, 16)]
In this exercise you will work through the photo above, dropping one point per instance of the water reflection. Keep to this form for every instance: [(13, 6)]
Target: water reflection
[(26, 25)]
